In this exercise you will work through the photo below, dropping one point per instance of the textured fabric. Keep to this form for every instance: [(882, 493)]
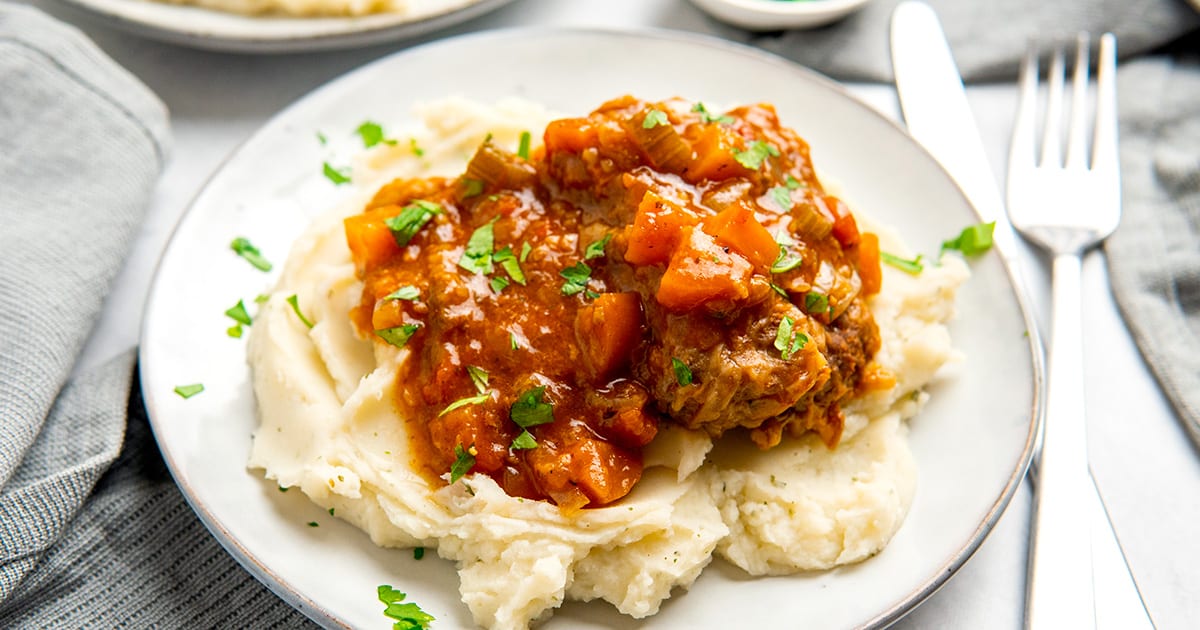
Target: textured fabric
[(1154, 257)]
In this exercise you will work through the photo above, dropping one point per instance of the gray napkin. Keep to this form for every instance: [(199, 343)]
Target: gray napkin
[(85, 541)]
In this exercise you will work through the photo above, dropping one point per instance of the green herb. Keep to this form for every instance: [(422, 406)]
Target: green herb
[(512, 341), (709, 118), (407, 292), (321, 138), (816, 303), (244, 249), (498, 284), (261, 298), (778, 289), (754, 156), (463, 402), (785, 263), (788, 340), (398, 335), (234, 331), (463, 461), (596, 249), (973, 240), (336, 176), (683, 374), (654, 118), (523, 442), (283, 489), (509, 263), (408, 616), (479, 377), (591, 295), (792, 183), (187, 391), (472, 188), (295, 302), (530, 410), (238, 313), (913, 266), (782, 196), (416, 148), (418, 553), (525, 249), (576, 278), (313, 524), (372, 134), (411, 219), (331, 512), (523, 145), (477, 256)]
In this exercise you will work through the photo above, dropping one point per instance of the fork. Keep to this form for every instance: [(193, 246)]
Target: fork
[(1066, 208)]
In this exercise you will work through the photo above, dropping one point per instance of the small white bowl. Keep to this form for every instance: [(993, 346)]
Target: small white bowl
[(778, 15)]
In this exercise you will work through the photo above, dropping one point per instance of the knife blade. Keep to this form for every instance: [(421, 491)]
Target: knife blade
[(938, 116)]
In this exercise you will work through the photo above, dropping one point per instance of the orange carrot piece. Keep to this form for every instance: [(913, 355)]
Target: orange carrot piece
[(370, 240), (656, 230), (737, 228), (702, 271), (607, 330), (869, 270)]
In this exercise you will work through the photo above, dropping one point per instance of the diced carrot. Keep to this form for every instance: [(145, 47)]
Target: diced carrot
[(713, 156), (571, 135), (845, 228), (702, 271), (869, 270), (737, 228), (607, 330), (656, 230), (370, 240)]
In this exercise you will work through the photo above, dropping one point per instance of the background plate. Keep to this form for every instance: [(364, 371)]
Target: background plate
[(972, 443)]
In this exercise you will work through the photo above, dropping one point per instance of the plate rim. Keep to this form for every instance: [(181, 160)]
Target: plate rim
[(1005, 248)]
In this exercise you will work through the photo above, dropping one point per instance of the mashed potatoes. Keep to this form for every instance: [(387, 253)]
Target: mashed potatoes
[(415, 9), (329, 426)]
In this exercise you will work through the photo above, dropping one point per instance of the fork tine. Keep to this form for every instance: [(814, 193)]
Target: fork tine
[(1076, 143), (1021, 151), (1052, 132), (1104, 142)]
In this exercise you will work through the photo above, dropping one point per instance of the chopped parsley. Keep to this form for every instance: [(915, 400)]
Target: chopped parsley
[(313, 524), (577, 277), (523, 442), (407, 292), (788, 340), (283, 489), (239, 314), (464, 459), (523, 145), (530, 410), (234, 331), (398, 335), (596, 249), (782, 196), (415, 148), (780, 290), (331, 512), (479, 377), (321, 138), (525, 249), (411, 219), (261, 298), (655, 118), (372, 134), (337, 176), (709, 118), (512, 341), (683, 374), (472, 187), (816, 303), (792, 183), (408, 616), (913, 266), (418, 553), (295, 302), (463, 402), (754, 156), (243, 248), (187, 391), (510, 264), (784, 262), (477, 256), (498, 284), (973, 240)]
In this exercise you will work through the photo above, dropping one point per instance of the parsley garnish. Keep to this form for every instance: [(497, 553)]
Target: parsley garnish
[(816, 302), (336, 176), (477, 256), (463, 461), (283, 489), (261, 298), (372, 134), (792, 183), (782, 196), (530, 410), (321, 138), (784, 263), (244, 249), (463, 402), (709, 118), (407, 292), (331, 512), (411, 219), (472, 187), (913, 266), (523, 145), (576, 278), (788, 340), (778, 289), (596, 249), (523, 442), (754, 156), (238, 313), (525, 249), (187, 391), (234, 331), (408, 616), (418, 553), (498, 284), (416, 148), (512, 341), (398, 335), (295, 302), (683, 374), (973, 240), (654, 118), (509, 263), (479, 377)]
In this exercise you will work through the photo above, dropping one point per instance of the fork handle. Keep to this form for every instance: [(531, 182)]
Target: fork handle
[(1060, 591)]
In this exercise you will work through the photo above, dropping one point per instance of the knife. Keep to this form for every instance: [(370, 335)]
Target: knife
[(938, 116)]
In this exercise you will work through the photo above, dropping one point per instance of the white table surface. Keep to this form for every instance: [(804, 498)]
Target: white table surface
[(216, 100)]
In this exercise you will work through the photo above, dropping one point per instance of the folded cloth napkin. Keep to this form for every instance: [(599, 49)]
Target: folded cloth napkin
[(85, 541)]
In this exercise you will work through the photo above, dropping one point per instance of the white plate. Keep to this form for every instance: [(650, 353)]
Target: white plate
[(778, 15), (972, 443), (217, 30)]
